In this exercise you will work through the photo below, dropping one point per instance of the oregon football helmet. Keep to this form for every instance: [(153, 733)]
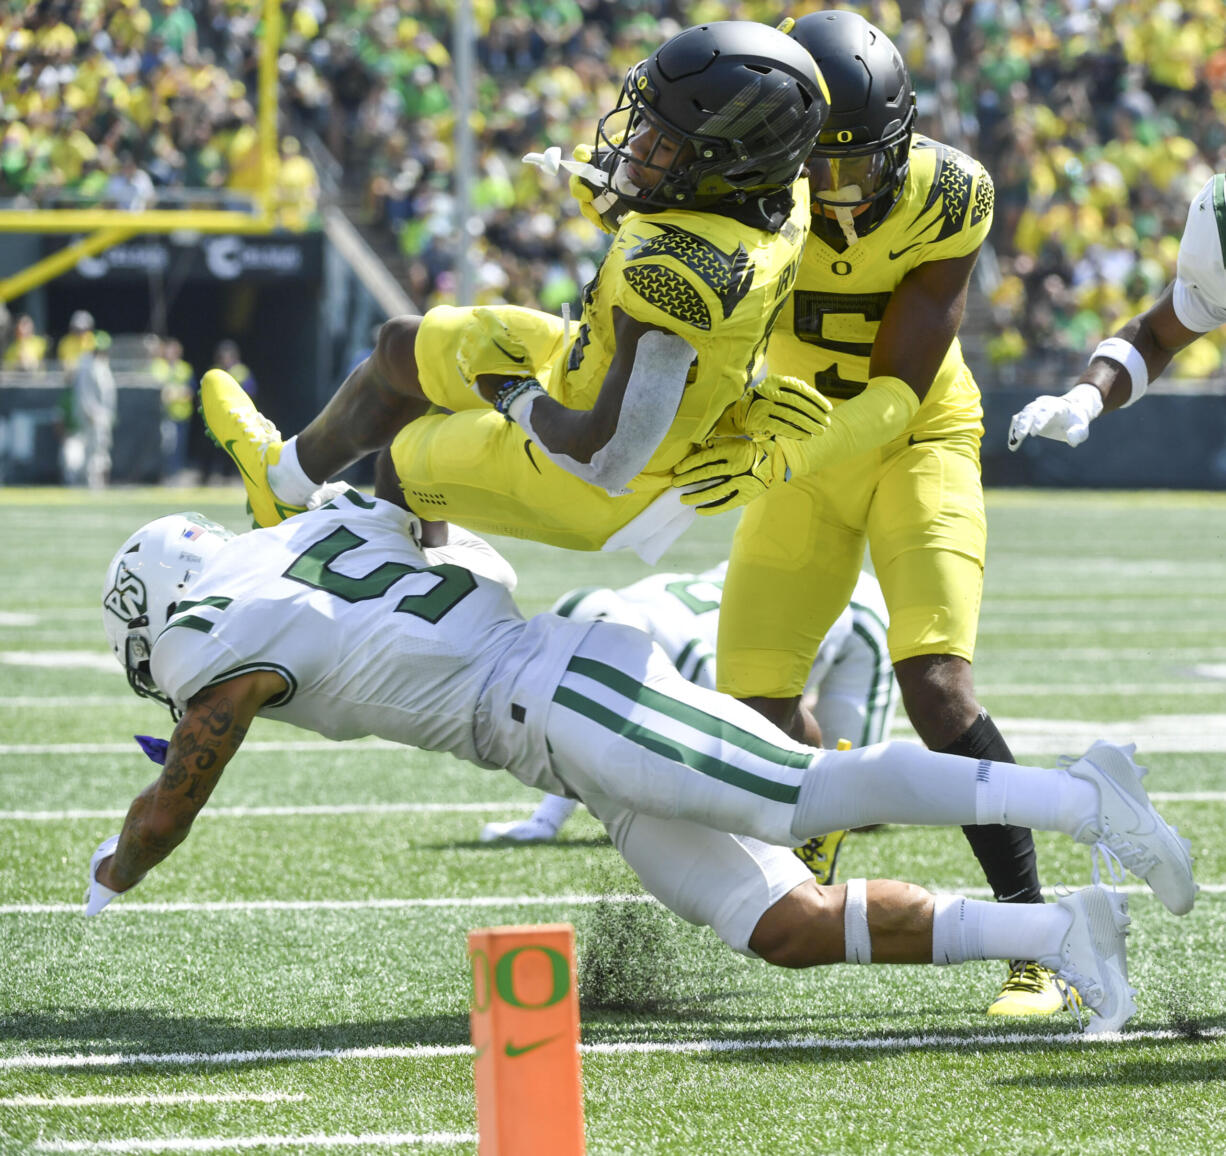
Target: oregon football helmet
[(858, 166), (718, 112), (145, 580)]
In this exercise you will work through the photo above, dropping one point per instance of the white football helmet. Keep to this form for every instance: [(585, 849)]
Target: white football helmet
[(146, 578)]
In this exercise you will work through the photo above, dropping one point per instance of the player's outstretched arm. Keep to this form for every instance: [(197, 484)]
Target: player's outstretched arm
[(204, 741), (1118, 374)]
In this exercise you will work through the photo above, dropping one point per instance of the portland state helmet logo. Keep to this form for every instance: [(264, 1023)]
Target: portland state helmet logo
[(127, 599)]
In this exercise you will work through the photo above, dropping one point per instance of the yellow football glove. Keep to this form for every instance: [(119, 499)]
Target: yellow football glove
[(780, 406), (729, 473), (599, 204), (488, 346)]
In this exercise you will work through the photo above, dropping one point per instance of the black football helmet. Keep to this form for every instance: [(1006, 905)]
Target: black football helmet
[(721, 111), (859, 164)]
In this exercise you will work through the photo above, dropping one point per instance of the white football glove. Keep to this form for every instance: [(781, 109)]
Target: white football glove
[(98, 896), (1063, 419)]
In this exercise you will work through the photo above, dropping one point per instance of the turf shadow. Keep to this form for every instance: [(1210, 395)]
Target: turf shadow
[(137, 1030)]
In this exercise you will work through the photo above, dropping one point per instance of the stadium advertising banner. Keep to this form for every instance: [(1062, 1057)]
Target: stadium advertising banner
[(278, 257)]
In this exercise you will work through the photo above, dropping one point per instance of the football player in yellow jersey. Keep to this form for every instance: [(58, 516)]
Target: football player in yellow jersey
[(898, 220), (703, 153)]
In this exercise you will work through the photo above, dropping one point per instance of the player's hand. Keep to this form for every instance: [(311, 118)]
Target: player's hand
[(1063, 419), (784, 407), (597, 201), (97, 896), (730, 473), (488, 346)]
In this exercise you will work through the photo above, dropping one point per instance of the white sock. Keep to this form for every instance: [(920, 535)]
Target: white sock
[(554, 811), (965, 929), (288, 479), (901, 782), (1041, 798)]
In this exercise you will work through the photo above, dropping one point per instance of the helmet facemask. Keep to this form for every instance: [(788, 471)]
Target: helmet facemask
[(858, 186), (145, 581)]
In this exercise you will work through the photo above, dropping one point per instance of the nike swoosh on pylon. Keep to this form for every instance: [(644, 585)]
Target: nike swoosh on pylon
[(513, 1051)]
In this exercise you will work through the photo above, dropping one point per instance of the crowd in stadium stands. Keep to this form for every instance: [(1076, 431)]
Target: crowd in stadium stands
[(1098, 119)]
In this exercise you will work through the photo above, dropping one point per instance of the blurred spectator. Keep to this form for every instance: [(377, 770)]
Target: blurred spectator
[(178, 382), (297, 190), (214, 460), (79, 339), (28, 349), (87, 448), (130, 189), (228, 357), (175, 26)]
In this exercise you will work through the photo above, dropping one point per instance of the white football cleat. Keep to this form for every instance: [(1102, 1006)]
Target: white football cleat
[(1128, 826), (1093, 958), (519, 831)]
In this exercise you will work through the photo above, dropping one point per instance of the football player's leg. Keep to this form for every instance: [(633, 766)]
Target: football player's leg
[(857, 696), (928, 533), (793, 566), (480, 471), (707, 877), (757, 900)]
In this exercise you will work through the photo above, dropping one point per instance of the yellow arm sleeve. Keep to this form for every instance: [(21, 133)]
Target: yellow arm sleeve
[(862, 423)]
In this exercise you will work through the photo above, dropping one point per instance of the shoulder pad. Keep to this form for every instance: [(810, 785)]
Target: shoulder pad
[(669, 269), (960, 192)]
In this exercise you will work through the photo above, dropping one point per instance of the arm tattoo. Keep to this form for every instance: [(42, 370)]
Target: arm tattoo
[(161, 816)]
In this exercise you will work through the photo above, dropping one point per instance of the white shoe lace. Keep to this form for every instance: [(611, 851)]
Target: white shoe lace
[(258, 429)]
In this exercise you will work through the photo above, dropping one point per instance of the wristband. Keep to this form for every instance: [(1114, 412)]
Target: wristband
[(515, 389), (1126, 354)]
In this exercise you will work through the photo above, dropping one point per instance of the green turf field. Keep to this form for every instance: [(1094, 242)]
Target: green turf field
[(294, 978)]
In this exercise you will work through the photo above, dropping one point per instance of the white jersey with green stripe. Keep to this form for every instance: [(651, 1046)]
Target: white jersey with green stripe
[(373, 634), (851, 672), (1200, 281)]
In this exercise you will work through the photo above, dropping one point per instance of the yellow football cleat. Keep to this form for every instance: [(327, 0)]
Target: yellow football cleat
[(249, 438), (1032, 990), (821, 854)]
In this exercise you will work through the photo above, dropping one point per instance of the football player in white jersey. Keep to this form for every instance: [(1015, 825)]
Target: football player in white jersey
[(340, 622), (851, 686), (1122, 366)]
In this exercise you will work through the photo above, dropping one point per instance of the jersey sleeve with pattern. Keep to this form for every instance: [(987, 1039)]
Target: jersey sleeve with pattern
[(1200, 283), (826, 332), (709, 279)]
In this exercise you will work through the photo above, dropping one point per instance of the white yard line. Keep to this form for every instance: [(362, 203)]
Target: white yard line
[(118, 813), (265, 812), (137, 1100), (228, 1144), (215, 906), (130, 748), (134, 907), (429, 1052)]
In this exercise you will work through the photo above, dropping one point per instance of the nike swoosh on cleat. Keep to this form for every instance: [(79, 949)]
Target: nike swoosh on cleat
[(513, 1051), (509, 354), (234, 458)]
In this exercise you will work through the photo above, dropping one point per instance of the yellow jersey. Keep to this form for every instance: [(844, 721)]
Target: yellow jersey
[(826, 331), (718, 283)]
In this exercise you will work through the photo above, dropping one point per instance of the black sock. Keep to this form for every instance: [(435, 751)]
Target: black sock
[(1006, 853)]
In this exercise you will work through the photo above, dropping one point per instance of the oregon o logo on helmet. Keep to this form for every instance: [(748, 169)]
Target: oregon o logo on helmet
[(843, 135)]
